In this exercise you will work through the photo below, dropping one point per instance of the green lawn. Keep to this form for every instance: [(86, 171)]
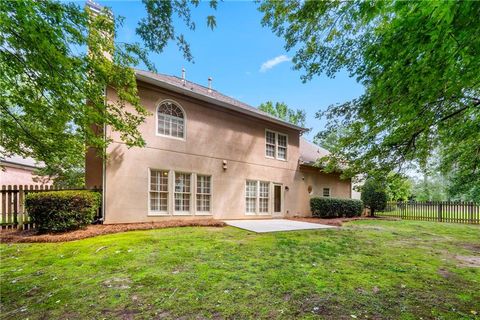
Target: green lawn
[(366, 270)]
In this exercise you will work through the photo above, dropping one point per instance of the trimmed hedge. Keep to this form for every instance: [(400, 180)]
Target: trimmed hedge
[(57, 211), (335, 208)]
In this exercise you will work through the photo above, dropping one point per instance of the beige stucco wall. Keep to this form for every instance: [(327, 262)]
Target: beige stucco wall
[(17, 175), (212, 136)]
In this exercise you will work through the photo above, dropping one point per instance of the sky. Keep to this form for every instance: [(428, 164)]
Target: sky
[(246, 61)]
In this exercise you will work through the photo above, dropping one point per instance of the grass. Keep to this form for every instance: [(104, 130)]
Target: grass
[(367, 269)]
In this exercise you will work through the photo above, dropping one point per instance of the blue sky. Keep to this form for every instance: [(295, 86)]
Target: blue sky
[(233, 55)]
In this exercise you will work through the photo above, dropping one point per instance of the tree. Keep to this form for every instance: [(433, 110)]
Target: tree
[(432, 187), (418, 62), (399, 188), (53, 87), (374, 196), (282, 111)]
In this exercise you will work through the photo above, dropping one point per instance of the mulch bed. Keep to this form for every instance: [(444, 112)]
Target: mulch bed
[(338, 222), (30, 236)]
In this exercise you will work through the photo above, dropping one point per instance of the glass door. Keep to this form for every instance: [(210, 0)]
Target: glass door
[(277, 198)]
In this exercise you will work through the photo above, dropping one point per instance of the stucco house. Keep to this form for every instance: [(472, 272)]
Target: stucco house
[(16, 170), (208, 155)]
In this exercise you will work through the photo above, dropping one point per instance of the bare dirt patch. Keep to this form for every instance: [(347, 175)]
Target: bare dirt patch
[(29, 236), (118, 283), (472, 247), (469, 261), (338, 222)]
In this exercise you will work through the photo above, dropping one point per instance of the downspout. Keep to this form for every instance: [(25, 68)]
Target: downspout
[(104, 164)]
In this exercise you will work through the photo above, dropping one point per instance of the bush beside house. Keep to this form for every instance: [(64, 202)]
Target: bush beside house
[(58, 211), (335, 208)]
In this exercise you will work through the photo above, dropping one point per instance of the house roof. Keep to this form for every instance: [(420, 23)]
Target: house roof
[(310, 152), (200, 92), (20, 161)]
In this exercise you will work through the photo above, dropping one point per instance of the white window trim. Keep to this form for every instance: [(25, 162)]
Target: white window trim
[(171, 195), (329, 192), (184, 138), (257, 199), (190, 211), (157, 213), (276, 145), (209, 212)]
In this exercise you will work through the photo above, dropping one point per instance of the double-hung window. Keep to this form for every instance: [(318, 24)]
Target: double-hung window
[(326, 192), (263, 196), (270, 144), (179, 193), (182, 192), (275, 145), (251, 196), (158, 191), (203, 193), (257, 197)]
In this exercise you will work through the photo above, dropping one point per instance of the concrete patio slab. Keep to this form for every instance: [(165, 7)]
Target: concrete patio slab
[(274, 225)]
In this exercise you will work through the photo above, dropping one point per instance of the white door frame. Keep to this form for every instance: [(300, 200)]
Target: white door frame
[(279, 213)]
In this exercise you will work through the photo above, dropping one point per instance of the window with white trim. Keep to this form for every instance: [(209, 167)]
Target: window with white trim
[(158, 189), (282, 146), (170, 120), (326, 192), (270, 143), (257, 197), (251, 196), (182, 191), (276, 145), (203, 193), (263, 197)]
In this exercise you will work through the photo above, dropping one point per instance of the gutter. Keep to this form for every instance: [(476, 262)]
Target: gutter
[(17, 165), (214, 101)]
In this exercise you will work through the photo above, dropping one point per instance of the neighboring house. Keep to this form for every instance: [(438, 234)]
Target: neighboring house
[(208, 155), (16, 170)]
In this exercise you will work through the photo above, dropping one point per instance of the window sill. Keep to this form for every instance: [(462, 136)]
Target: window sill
[(272, 158), (158, 214), (203, 213), (182, 213), (170, 137)]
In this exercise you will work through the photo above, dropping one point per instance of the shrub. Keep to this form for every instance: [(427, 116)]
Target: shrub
[(374, 195), (56, 211), (335, 208)]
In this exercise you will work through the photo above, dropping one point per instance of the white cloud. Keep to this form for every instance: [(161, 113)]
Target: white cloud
[(269, 64)]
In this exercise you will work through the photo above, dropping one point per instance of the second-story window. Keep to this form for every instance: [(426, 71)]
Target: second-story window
[(275, 145), (170, 120)]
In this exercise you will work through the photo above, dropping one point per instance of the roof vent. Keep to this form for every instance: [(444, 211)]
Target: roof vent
[(184, 81), (209, 84)]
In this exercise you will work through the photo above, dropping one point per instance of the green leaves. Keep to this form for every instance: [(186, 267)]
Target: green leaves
[(158, 29), (283, 112), (419, 64), (57, 60)]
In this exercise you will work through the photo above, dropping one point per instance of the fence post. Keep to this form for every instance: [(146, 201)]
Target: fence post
[(470, 212), (15, 206), (4, 206), (440, 211), (21, 207)]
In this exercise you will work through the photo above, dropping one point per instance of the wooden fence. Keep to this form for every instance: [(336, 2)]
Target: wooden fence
[(441, 211), (13, 214)]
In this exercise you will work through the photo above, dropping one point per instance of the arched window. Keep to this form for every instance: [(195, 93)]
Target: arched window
[(170, 120)]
